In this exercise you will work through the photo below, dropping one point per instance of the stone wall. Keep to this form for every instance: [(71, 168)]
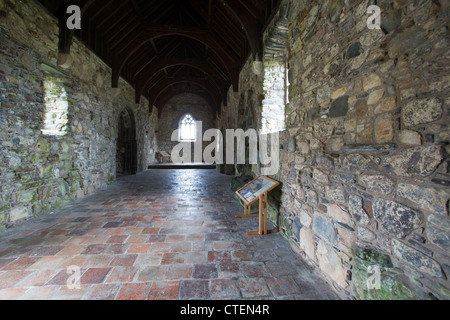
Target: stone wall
[(58, 127), (243, 111), (175, 110), (365, 154)]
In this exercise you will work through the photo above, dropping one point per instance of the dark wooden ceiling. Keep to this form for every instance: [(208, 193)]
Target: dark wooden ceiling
[(166, 47)]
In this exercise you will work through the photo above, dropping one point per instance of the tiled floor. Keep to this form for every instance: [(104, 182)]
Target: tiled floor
[(163, 234)]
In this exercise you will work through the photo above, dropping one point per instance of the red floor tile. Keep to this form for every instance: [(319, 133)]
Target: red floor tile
[(138, 248), (95, 275), (134, 291), (253, 288), (20, 264), (194, 290), (126, 260), (167, 290), (178, 271), (224, 289), (149, 236), (102, 292)]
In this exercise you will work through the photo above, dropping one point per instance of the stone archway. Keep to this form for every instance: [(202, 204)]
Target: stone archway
[(126, 163)]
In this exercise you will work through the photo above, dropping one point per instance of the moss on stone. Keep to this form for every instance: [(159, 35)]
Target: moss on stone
[(61, 203), (272, 213), (40, 208), (285, 228), (392, 286), (33, 185), (4, 216), (371, 257), (44, 146), (288, 109), (47, 171)]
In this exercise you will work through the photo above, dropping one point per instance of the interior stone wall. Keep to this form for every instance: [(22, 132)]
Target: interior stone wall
[(41, 172), (175, 110), (365, 154)]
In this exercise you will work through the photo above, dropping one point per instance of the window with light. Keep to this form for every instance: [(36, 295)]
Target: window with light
[(188, 128)]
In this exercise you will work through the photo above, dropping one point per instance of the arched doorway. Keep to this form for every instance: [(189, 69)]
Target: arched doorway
[(126, 144)]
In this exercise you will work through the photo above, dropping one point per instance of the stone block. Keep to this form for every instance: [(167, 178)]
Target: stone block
[(410, 137), (339, 107), (406, 41), (335, 144), (365, 133), (324, 227), (439, 237), (338, 214), (391, 21), (331, 263), (336, 194), (417, 259), (386, 105), (375, 97), (320, 176), (324, 162), (307, 243), (350, 125), (360, 109), (303, 148), (384, 129), (438, 231), (305, 219), (415, 161), (354, 50), (347, 237), (378, 183), (395, 218), (356, 209), (17, 214), (365, 235), (426, 198), (296, 227), (26, 197), (44, 146), (338, 93), (371, 81), (421, 112)]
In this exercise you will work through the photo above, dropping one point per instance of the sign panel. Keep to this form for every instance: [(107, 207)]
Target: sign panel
[(254, 189)]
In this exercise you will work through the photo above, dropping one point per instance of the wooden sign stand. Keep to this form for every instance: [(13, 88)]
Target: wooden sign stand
[(164, 154), (257, 191)]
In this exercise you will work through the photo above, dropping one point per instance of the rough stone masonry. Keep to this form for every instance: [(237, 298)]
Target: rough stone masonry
[(364, 143), (59, 128), (365, 154)]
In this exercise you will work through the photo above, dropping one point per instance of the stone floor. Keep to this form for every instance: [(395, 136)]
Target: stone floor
[(162, 234)]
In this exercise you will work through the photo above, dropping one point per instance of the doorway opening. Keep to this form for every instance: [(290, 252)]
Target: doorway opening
[(126, 144)]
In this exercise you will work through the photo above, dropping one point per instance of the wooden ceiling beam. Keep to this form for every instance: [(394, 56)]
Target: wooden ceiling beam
[(159, 64), (251, 25), (229, 59)]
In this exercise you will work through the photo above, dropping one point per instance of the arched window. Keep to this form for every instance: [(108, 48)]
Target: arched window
[(187, 128)]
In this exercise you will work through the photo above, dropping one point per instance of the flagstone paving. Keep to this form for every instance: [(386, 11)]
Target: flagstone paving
[(159, 235)]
